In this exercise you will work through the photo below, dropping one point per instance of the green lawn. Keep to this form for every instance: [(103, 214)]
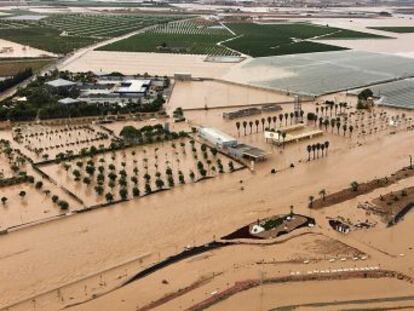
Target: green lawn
[(400, 29)]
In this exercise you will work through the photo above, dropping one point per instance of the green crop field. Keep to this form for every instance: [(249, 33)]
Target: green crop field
[(400, 29), (63, 33), (186, 37), (257, 40), (264, 40)]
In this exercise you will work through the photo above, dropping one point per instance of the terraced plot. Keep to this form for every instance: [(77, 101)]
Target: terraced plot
[(63, 33)]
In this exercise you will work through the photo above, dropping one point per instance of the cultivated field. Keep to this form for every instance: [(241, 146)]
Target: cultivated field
[(139, 170), (395, 29), (184, 37), (63, 33), (257, 40), (43, 143), (9, 68), (260, 40)]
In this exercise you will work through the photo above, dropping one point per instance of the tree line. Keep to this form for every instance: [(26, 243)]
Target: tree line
[(16, 79)]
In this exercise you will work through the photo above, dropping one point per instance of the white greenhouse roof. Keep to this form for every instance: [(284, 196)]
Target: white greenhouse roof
[(321, 73)]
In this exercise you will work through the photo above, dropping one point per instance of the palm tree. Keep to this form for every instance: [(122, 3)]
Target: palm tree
[(274, 119), (322, 193), (286, 118), (318, 147), (344, 128), (4, 200), (338, 126), (322, 149), (309, 150), (333, 124), (283, 139), (313, 150), (269, 120), (244, 127), (311, 198), (280, 118), (238, 128), (351, 128), (257, 122), (251, 126), (326, 146), (263, 120), (291, 115)]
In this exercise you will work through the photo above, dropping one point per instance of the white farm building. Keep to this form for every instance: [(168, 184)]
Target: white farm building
[(217, 137)]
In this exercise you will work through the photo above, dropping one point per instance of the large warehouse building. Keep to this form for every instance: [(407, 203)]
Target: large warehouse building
[(230, 145), (217, 138)]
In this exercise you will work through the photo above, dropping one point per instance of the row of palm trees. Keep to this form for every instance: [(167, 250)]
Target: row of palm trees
[(283, 119), (316, 149), (331, 108)]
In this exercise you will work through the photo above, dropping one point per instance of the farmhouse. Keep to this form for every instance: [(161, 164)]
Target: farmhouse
[(61, 85), (133, 88)]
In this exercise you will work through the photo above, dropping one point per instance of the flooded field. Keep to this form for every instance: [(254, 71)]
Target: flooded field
[(79, 258), (11, 49), (215, 94), (161, 166), (45, 142), (28, 204), (275, 297), (152, 63)]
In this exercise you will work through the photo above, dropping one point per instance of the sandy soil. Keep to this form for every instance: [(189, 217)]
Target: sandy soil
[(153, 63), (212, 94), (221, 268), (20, 51), (273, 296)]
